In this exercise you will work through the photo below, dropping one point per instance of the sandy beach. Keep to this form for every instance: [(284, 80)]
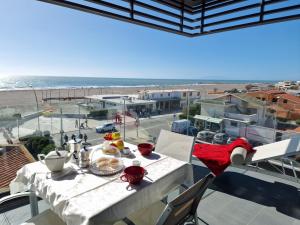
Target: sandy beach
[(27, 97)]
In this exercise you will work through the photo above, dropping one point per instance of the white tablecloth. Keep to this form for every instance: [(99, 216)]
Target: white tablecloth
[(82, 198)]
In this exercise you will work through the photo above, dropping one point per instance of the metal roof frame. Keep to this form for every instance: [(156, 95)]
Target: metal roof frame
[(191, 18)]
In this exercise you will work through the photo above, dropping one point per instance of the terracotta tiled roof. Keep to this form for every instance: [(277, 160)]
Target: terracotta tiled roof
[(277, 108), (268, 92), (274, 92), (12, 158), (297, 129), (290, 97)]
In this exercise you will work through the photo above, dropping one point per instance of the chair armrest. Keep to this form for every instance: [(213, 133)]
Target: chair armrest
[(14, 196)]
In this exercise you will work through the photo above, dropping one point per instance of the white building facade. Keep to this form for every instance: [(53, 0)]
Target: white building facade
[(168, 100)]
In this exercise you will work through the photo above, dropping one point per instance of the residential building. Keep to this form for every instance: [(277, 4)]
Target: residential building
[(294, 92), (169, 100), (238, 115), (285, 105), (268, 96), (285, 85), (237, 107), (133, 104)]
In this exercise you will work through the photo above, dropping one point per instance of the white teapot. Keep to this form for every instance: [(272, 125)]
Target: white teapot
[(54, 160)]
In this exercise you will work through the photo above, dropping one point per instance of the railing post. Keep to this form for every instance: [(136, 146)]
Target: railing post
[(33, 204)]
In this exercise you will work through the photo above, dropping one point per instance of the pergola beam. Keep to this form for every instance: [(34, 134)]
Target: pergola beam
[(189, 18)]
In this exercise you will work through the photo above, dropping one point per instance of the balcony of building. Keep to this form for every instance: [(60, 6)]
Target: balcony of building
[(237, 197)]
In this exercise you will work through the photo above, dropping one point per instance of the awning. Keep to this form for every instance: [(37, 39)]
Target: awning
[(190, 18), (208, 119)]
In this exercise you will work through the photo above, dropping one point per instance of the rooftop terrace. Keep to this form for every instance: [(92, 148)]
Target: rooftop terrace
[(237, 197)]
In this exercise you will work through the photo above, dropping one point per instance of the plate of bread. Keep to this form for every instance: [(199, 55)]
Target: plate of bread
[(106, 160), (106, 166)]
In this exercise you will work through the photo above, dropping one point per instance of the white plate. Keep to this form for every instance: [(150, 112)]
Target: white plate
[(104, 172)]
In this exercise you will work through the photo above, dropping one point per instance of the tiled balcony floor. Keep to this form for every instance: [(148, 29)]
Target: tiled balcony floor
[(240, 197), (237, 197)]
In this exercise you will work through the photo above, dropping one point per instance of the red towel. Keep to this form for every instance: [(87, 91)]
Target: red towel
[(217, 157)]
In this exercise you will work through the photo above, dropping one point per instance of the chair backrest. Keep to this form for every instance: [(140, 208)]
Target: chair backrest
[(186, 204), (175, 145)]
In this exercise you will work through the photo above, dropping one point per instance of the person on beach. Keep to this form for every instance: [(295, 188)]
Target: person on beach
[(76, 123)]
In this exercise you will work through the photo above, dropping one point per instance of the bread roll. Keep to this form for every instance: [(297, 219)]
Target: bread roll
[(114, 163), (102, 162)]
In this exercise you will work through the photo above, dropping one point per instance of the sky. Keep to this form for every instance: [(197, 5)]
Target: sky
[(42, 39)]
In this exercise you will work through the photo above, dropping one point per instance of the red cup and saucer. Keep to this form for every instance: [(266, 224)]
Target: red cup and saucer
[(133, 174)]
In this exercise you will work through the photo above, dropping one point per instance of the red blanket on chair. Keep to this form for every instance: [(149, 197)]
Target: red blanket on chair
[(217, 157)]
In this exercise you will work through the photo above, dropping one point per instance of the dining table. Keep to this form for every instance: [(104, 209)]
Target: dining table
[(80, 197)]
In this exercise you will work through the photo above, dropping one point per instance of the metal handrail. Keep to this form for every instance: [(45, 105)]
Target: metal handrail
[(32, 199), (14, 196)]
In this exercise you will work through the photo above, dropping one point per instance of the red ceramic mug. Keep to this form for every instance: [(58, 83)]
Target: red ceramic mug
[(145, 148), (133, 174)]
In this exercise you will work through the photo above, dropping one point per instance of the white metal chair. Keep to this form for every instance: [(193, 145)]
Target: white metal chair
[(175, 145), (274, 150), (180, 210), (45, 218)]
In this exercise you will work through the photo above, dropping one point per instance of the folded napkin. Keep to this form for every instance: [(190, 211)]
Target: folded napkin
[(217, 157)]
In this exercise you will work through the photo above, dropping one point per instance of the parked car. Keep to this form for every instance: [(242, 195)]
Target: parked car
[(205, 135), (220, 138), (107, 127)]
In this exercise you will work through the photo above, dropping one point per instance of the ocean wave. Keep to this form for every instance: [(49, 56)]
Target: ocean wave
[(42, 83), (79, 87)]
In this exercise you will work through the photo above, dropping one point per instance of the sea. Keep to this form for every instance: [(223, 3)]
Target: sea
[(54, 82)]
